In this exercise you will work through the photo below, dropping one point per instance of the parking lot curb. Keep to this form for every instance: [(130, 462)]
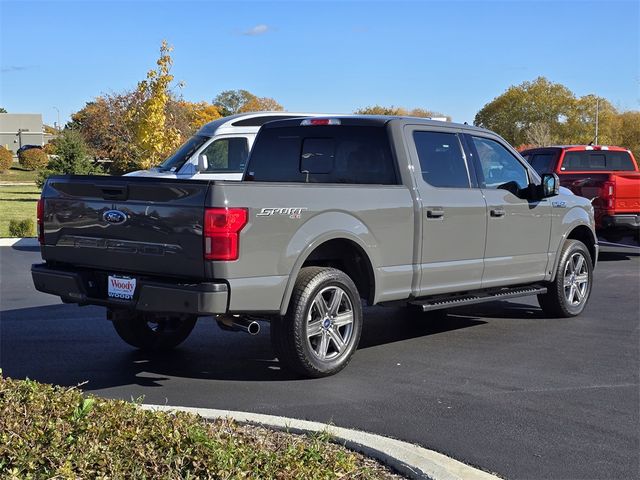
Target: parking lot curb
[(19, 242), (407, 459)]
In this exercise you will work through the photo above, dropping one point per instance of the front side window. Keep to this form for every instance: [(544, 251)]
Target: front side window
[(226, 155), (441, 160), (500, 168)]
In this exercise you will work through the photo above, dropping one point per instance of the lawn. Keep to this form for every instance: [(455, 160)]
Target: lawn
[(17, 202), (18, 174)]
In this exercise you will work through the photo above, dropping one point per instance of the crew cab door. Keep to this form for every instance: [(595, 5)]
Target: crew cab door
[(453, 221), (518, 229)]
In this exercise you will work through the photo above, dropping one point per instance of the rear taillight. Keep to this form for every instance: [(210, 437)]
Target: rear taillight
[(40, 218), (222, 232), (609, 195)]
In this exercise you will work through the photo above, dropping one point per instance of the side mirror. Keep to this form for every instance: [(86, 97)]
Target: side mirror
[(203, 163), (550, 185)]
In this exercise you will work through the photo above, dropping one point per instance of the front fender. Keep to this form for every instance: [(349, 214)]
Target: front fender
[(314, 233), (578, 215)]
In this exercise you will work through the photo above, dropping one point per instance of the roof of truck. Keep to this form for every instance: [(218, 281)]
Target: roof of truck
[(380, 120), (580, 147), (251, 120)]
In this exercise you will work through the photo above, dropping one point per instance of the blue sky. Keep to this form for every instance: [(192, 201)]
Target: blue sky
[(450, 56)]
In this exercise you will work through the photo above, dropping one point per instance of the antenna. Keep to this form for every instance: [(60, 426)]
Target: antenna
[(597, 113)]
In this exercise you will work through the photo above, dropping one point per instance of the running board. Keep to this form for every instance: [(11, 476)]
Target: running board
[(436, 303)]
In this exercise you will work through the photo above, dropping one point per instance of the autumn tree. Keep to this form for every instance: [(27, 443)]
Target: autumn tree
[(399, 111), (196, 114), (580, 124), (154, 137), (538, 102), (230, 102), (628, 133), (539, 135)]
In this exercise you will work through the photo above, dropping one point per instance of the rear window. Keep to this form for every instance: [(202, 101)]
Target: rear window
[(323, 154), (542, 162), (595, 160)]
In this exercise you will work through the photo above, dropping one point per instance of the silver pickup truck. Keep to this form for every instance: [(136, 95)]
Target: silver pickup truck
[(332, 213)]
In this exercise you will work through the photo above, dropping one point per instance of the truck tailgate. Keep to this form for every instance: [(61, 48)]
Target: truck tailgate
[(627, 192), (125, 224)]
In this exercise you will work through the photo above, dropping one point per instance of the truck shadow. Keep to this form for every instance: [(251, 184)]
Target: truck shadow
[(67, 345), (615, 256)]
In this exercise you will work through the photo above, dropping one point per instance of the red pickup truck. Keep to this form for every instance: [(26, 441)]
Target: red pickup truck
[(607, 175)]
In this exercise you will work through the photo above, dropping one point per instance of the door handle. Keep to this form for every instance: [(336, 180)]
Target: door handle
[(435, 212), (498, 212)]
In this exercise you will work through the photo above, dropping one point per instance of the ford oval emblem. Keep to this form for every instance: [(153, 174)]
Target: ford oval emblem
[(114, 216)]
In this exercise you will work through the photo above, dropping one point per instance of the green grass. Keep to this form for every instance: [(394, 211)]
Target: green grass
[(55, 432), (18, 174), (17, 203)]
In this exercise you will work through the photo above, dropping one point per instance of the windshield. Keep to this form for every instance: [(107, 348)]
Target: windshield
[(184, 153)]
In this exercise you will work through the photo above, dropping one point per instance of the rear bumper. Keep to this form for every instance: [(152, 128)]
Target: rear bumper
[(76, 286), (627, 221)]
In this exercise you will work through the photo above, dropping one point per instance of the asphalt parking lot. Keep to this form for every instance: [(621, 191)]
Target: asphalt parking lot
[(497, 386)]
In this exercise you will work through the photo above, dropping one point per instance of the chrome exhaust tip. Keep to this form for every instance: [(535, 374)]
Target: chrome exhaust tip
[(238, 324)]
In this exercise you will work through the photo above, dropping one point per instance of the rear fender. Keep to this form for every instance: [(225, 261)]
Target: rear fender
[(314, 233)]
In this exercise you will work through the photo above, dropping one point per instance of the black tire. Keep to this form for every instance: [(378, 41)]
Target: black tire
[(155, 332), (293, 340), (563, 303)]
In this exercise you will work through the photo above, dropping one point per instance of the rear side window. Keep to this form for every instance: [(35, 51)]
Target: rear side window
[(586, 160), (542, 162), (323, 154), (441, 160)]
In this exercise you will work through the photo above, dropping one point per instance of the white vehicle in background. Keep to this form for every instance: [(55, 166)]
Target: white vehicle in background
[(219, 150)]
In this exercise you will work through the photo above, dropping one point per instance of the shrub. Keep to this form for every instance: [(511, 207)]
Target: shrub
[(6, 159), (22, 228), (33, 159), (55, 432), (49, 148), (72, 158)]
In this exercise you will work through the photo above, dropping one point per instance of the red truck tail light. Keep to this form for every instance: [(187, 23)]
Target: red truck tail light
[(609, 195), (40, 219), (222, 232)]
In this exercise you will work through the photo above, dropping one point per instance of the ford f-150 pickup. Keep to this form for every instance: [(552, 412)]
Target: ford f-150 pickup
[(331, 213)]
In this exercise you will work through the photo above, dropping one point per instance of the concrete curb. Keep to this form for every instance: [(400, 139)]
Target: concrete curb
[(410, 460), (19, 242)]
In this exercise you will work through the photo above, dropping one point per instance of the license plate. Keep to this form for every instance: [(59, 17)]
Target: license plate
[(121, 287)]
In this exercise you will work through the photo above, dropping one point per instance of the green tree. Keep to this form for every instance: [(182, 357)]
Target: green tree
[(2, 110), (230, 102), (539, 102), (72, 157)]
